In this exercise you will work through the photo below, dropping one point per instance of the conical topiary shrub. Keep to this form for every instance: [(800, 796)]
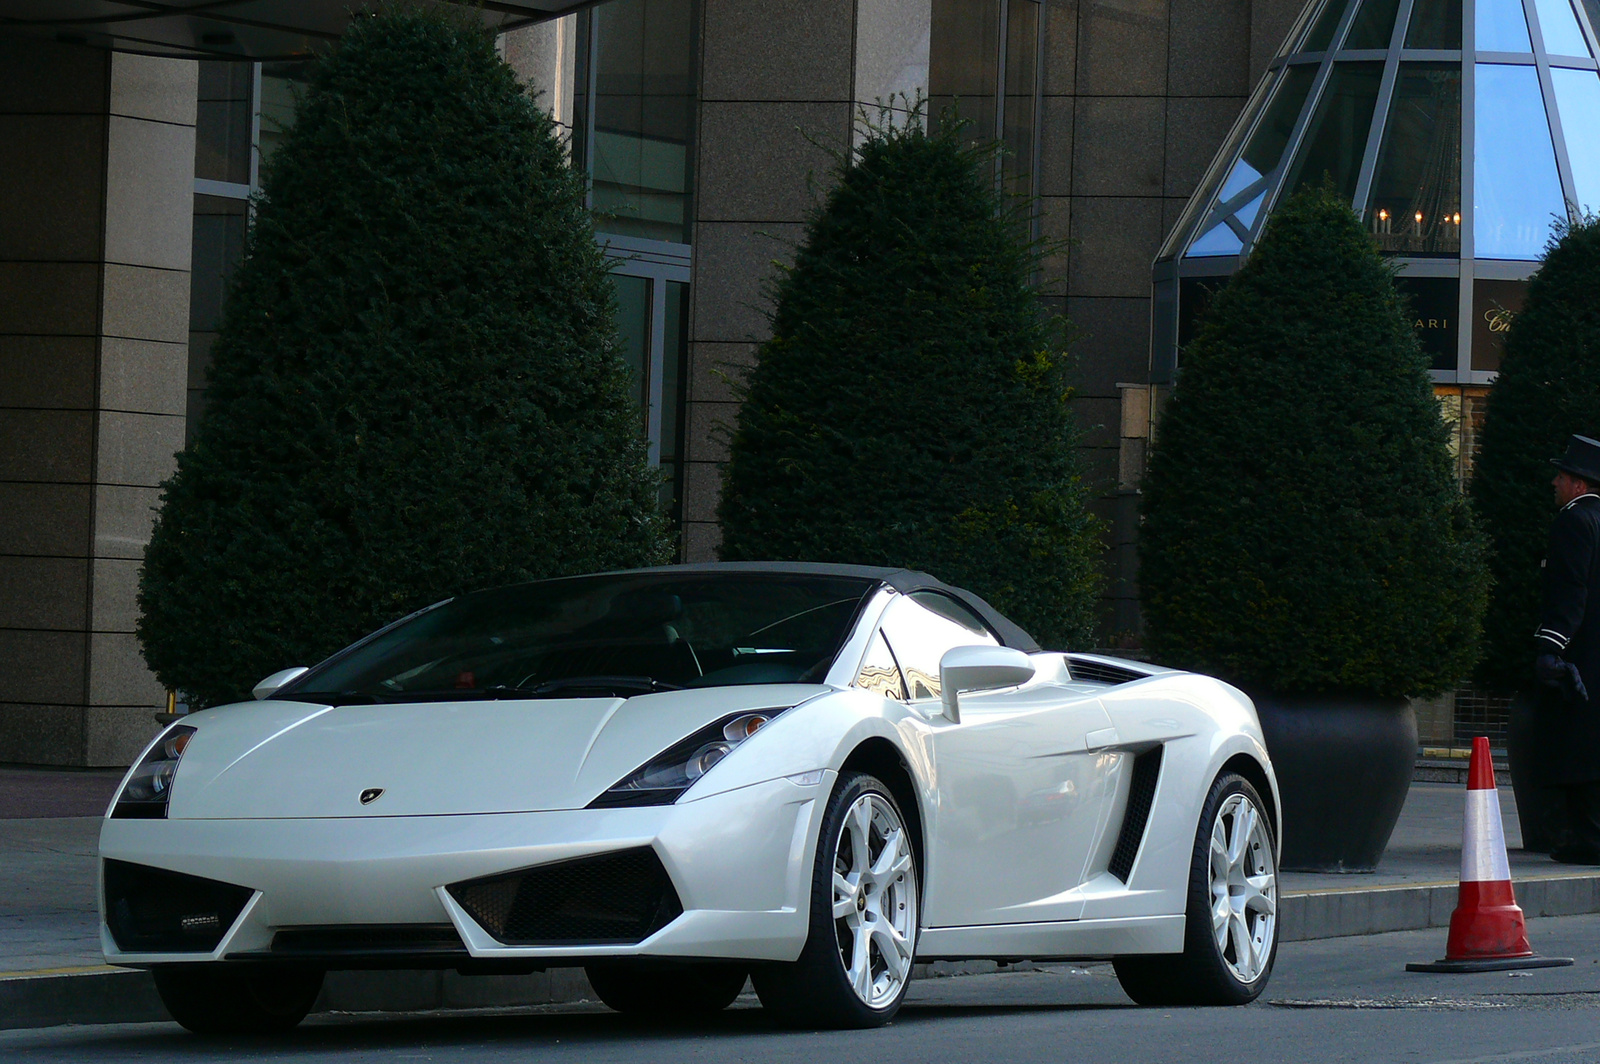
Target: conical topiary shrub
[(1548, 389), (1304, 537), (416, 389), (912, 405), (1303, 531)]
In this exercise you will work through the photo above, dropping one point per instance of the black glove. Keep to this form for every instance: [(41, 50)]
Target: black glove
[(1553, 672)]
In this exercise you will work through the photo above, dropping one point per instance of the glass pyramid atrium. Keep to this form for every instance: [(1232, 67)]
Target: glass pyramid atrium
[(1371, 94)]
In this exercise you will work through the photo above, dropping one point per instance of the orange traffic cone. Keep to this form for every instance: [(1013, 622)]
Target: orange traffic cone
[(1487, 933)]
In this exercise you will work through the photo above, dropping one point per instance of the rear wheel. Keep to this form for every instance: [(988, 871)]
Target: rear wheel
[(856, 964), (1231, 928), (663, 991), (211, 1000)]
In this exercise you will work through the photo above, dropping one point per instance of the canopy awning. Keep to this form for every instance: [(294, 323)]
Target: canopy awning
[(229, 29)]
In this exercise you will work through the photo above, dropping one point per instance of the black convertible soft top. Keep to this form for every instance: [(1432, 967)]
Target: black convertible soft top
[(902, 580)]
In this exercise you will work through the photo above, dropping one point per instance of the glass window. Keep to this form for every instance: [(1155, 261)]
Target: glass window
[(602, 634), (963, 63), (223, 121), (1494, 305), (280, 85), (1022, 79), (879, 671), (1415, 204), (633, 327), (1559, 28), (1321, 34), (1435, 24), (1262, 154), (1374, 24), (1435, 309), (1516, 193), (674, 357), (220, 226), (1220, 239), (643, 104), (1260, 158), (919, 637), (1502, 26), (1336, 140), (1578, 103), (951, 610)]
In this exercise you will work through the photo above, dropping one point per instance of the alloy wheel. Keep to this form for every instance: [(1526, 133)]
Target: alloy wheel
[(874, 900), (1244, 888)]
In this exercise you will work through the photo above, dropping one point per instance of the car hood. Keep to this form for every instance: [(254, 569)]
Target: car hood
[(280, 759)]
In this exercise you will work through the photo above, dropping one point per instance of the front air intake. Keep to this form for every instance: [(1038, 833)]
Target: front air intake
[(1141, 795), (153, 910), (610, 899)]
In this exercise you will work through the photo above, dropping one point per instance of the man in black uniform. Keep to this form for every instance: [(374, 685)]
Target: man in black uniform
[(1568, 642)]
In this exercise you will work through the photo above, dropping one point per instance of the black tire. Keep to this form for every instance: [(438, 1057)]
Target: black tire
[(665, 990), (1202, 974), (212, 1000), (815, 991)]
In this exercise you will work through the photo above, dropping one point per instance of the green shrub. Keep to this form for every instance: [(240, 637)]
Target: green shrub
[(417, 388), (1303, 531), (1548, 389), (912, 405)]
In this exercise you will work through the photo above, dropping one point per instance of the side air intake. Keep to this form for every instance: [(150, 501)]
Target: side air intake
[(1141, 795), (609, 899), (1101, 672)]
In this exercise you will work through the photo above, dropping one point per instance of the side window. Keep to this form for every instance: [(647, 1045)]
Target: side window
[(879, 671), (920, 636), (951, 610)]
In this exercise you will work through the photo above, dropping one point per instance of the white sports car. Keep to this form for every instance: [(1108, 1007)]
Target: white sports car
[(811, 775)]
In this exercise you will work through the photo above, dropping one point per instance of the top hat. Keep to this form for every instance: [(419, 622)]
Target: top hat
[(1581, 460)]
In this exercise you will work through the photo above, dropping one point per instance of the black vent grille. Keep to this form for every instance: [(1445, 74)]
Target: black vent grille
[(610, 899), (1141, 794), (367, 940), (152, 910), (1100, 672)]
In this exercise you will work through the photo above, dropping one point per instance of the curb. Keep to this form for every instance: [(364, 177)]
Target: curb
[(103, 994), (1316, 914)]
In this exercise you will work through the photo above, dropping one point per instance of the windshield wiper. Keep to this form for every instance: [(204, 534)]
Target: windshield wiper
[(333, 698), (635, 684)]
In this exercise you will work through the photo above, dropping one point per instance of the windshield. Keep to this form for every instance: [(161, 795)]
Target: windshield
[(601, 635)]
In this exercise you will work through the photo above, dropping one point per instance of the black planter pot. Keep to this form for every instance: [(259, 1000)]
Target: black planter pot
[(1540, 806), (1344, 765)]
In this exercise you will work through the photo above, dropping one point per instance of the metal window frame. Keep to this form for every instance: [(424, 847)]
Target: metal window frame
[(657, 262)]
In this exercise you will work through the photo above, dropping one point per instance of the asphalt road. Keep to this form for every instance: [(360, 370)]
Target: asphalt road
[(1335, 1000)]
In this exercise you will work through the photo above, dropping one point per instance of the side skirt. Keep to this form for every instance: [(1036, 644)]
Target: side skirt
[(1065, 940)]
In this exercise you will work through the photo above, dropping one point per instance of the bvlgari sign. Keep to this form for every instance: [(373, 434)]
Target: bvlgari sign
[(1435, 314)]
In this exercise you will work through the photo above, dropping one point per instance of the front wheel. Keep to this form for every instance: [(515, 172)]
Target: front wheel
[(856, 964), (215, 1001), (1231, 928), (666, 991)]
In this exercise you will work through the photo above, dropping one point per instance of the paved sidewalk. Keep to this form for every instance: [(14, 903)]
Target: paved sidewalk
[(51, 969)]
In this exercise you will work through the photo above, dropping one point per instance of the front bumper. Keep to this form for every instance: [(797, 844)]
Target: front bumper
[(740, 863)]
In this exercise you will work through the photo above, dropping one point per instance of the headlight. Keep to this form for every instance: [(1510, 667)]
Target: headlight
[(663, 778), (145, 794)]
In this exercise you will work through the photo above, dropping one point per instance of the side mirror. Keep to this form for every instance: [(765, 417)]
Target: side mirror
[(979, 669), (280, 679)]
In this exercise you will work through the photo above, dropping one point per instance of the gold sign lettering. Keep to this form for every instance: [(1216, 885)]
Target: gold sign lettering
[(1431, 323), (1499, 319)]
